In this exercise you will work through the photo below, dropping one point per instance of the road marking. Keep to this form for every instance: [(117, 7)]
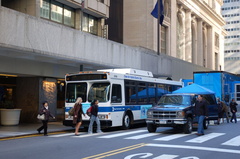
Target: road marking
[(204, 138), (122, 134), (142, 136), (233, 142), (165, 156), (114, 152), (195, 148), (62, 135), (171, 137)]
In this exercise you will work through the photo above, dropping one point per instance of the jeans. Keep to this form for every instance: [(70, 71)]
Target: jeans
[(200, 124), (234, 117), (92, 119)]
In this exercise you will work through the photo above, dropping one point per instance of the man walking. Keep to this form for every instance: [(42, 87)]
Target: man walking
[(201, 111)]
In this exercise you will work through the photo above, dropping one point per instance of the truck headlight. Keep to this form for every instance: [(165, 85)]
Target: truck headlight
[(149, 113), (180, 114)]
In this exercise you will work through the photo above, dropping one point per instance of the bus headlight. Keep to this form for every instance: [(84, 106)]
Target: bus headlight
[(102, 116)]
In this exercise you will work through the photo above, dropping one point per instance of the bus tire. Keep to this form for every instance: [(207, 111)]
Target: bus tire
[(151, 128), (187, 129), (127, 120)]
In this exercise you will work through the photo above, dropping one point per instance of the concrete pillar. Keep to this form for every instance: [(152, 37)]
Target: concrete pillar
[(173, 49), (210, 52), (194, 40), (199, 42), (37, 6), (188, 37)]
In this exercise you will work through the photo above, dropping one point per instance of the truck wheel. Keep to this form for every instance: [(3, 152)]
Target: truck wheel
[(188, 126), (126, 122), (205, 124), (151, 128)]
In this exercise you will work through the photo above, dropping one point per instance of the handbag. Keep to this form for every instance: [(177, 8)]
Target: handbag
[(41, 117)]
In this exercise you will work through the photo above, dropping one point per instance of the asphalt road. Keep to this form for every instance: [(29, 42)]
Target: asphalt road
[(220, 141)]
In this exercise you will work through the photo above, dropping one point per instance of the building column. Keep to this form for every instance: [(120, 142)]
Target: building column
[(78, 19), (188, 37), (173, 30), (210, 52), (194, 40), (199, 42)]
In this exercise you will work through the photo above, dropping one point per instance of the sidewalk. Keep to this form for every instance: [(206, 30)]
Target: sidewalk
[(28, 129)]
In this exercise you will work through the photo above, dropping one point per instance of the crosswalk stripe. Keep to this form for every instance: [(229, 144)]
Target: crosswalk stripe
[(204, 138), (122, 134), (142, 136), (171, 137), (233, 142), (61, 135)]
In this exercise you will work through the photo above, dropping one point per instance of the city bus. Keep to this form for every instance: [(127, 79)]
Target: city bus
[(124, 95)]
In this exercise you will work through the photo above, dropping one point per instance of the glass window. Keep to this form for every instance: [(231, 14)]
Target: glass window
[(45, 9), (56, 12), (116, 93), (75, 90), (85, 22), (92, 25), (69, 16), (99, 91)]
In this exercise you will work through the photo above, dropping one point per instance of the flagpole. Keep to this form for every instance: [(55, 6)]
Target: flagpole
[(158, 30)]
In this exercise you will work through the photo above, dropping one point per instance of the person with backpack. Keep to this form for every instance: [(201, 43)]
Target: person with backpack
[(77, 116), (94, 117), (233, 107)]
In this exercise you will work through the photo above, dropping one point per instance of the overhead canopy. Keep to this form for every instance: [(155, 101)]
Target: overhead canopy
[(194, 89)]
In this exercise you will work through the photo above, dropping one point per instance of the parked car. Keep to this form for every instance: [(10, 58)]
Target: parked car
[(177, 111)]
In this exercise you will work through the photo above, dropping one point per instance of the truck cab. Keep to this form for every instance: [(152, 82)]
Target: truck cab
[(177, 111)]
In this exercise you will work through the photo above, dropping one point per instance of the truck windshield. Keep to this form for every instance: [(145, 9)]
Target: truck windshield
[(175, 99), (99, 91)]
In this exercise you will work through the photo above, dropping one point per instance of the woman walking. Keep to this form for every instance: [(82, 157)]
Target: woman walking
[(233, 107), (44, 110), (94, 117), (77, 117)]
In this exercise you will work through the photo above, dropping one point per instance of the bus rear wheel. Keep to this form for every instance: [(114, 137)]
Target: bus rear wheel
[(126, 122)]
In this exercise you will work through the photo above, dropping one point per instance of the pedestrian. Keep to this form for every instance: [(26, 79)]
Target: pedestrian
[(77, 117), (45, 110), (201, 111), (94, 117), (222, 109), (233, 107)]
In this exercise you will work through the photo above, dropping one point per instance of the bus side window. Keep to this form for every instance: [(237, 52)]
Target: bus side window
[(116, 93)]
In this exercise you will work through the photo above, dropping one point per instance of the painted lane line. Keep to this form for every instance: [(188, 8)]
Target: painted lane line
[(87, 135), (196, 148), (171, 137), (204, 138), (122, 134), (233, 142), (142, 136)]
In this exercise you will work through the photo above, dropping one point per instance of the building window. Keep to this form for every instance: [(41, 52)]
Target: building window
[(57, 12), (89, 24)]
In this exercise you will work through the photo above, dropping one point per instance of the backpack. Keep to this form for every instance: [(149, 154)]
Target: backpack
[(71, 111), (89, 110)]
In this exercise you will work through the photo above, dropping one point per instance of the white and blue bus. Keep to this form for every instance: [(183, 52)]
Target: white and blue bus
[(124, 95)]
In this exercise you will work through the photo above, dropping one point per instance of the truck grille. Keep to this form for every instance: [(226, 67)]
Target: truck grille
[(164, 115)]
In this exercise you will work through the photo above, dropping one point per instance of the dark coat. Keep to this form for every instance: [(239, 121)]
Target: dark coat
[(201, 108), (94, 110), (77, 115), (47, 113), (233, 106)]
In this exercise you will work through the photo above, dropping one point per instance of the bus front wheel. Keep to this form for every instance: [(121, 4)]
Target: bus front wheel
[(126, 121)]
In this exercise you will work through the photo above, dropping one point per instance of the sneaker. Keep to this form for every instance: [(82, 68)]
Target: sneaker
[(90, 133)]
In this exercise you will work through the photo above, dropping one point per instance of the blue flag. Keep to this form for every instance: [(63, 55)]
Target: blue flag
[(155, 12)]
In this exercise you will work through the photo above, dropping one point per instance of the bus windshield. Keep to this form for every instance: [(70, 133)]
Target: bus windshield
[(75, 90), (99, 91)]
